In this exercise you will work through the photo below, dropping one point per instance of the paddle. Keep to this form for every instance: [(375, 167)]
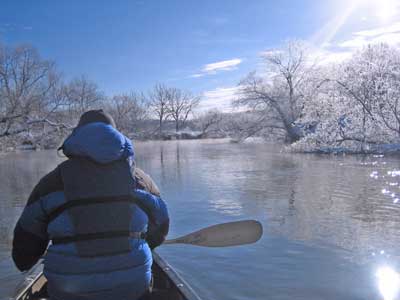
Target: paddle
[(223, 235)]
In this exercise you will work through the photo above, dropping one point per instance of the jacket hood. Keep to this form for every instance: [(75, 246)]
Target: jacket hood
[(99, 142)]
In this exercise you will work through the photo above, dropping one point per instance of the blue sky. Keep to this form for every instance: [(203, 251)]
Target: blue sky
[(203, 46)]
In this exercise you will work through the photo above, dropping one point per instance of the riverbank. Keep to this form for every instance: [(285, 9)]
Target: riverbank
[(358, 149), (137, 142), (299, 148), (33, 145)]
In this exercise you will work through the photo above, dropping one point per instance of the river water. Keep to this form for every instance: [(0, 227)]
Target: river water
[(331, 223)]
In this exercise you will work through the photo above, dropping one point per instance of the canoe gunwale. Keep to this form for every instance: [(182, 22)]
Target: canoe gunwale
[(184, 288), (28, 291), (165, 271)]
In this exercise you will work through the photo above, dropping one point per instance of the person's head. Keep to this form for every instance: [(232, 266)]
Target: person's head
[(92, 116), (97, 115)]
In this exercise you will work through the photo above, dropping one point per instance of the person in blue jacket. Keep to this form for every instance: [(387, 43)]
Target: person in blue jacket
[(101, 215)]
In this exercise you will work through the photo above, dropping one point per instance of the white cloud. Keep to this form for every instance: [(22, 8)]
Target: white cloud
[(330, 57), (356, 42), (388, 34), (393, 28), (222, 65), (6, 27), (9, 27), (197, 75), (270, 52), (220, 98), (339, 51), (213, 68)]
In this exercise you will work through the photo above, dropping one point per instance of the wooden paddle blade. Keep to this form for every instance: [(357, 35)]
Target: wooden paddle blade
[(223, 235)]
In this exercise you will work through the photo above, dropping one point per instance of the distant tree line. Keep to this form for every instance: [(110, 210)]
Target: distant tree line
[(38, 107), (309, 105)]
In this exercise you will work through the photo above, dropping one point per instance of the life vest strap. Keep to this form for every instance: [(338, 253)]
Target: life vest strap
[(98, 235), (95, 200)]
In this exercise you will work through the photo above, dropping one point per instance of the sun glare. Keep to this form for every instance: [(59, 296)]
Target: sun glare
[(386, 9), (388, 282)]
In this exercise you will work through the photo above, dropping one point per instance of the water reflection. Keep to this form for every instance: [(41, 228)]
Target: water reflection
[(327, 220), (335, 200)]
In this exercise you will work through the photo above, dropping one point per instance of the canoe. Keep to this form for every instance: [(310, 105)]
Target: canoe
[(167, 285)]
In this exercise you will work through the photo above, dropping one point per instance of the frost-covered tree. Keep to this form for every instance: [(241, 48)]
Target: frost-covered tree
[(180, 105), (129, 111), (29, 91), (209, 122), (277, 96), (83, 94), (382, 64), (357, 104), (158, 102)]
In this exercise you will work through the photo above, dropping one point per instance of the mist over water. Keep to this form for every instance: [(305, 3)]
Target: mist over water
[(331, 224)]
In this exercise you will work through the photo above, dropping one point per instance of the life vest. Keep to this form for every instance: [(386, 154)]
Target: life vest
[(100, 204)]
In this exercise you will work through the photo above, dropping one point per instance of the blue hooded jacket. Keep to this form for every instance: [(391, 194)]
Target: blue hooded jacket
[(70, 274), (100, 142)]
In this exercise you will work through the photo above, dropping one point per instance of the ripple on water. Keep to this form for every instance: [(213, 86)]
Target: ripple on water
[(324, 216)]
